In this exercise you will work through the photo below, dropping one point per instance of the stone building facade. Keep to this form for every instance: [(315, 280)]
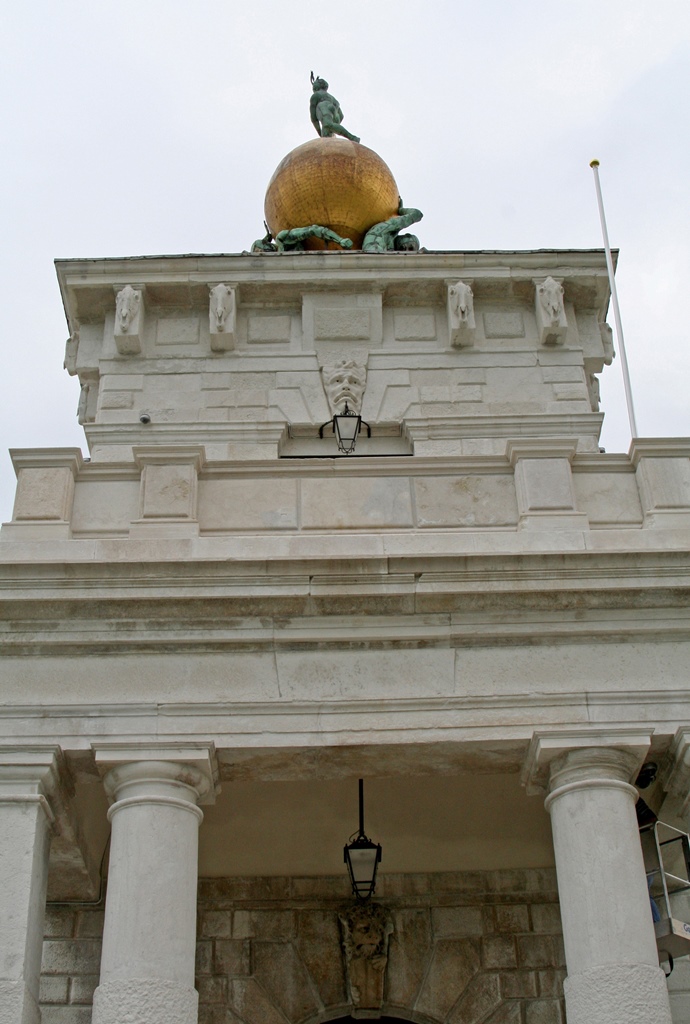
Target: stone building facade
[(214, 625)]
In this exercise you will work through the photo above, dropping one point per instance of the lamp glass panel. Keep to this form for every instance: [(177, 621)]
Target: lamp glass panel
[(363, 863), (347, 427)]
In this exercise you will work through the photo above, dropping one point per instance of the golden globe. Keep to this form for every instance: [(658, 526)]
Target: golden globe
[(338, 184)]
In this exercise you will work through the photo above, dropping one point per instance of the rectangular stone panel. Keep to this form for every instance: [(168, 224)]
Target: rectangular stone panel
[(260, 504), (168, 492), (364, 502), (178, 330), (44, 493), (105, 506), (544, 484), (563, 374), (570, 392), (610, 499), (268, 329), (356, 675), (666, 482), (504, 323), (471, 501), (342, 324), (414, 326), (117, 400)]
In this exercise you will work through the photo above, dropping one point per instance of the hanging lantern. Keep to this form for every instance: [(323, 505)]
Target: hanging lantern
[(362, 857)]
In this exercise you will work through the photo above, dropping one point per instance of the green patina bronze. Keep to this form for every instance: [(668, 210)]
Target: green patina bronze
[(383, 237), (326, 113), (293, 239), (266, 243)]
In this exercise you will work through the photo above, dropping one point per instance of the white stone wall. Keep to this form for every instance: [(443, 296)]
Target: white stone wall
[(482, 587)]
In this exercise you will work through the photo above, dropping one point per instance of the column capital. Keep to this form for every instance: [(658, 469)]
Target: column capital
[(32, 774), (131, 769), (605, 754)]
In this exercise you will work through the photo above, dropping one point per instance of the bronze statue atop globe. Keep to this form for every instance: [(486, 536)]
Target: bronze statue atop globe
[(331, 181)]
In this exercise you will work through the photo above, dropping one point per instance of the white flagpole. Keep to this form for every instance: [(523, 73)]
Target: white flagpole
[(616, 309)]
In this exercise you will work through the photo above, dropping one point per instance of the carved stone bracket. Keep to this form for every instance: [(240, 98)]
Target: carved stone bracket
[(129, 320), (88, 398), (366, 928), (461, 321), (222, 316), (71, 350), (552, 324)]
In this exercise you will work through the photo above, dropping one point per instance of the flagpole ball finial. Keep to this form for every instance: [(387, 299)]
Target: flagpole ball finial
[(593, 163)]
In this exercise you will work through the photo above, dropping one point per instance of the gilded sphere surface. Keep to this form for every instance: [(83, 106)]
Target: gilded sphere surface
[(338, 184)]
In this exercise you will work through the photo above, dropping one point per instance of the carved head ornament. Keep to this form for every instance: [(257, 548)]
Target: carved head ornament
[(345, 383)]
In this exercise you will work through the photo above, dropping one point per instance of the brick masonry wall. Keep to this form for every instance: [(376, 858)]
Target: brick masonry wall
[(466, 948)]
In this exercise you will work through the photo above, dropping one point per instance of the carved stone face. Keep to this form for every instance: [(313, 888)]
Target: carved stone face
[(345, 384), (366, 938)]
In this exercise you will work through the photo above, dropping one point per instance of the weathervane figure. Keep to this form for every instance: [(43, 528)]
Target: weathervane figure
[(325, 111)]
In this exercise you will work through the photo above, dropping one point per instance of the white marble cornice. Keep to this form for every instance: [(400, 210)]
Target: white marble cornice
[(583, 270)]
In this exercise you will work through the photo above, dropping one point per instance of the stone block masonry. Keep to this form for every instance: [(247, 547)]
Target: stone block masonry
[(466, 948)]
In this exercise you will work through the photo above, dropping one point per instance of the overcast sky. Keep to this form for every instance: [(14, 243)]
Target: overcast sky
[(153, 126)]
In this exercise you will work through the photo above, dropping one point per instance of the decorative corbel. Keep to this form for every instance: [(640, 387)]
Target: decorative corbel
[(222, 316), (607, 342), (461, 322), (552, 324), (71, 350), (366, 928), (129, 320)]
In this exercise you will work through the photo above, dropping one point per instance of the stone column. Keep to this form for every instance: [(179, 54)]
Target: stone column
[(613, 965), (28, 778), (147, 964)]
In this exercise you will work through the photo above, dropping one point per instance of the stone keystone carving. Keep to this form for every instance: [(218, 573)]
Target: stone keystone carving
[(461, 322), (129, 320), (344, 384), (222, 316), (550, 311), (366, 928)]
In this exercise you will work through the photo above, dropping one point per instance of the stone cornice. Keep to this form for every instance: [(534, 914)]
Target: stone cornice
[(260, 595), (542, 425), (41, 458), (186, 267), (659, 448), (488, 733), (584, 271), (143, 610)]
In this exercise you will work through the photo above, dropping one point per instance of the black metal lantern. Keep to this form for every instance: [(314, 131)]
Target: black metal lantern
[(346, 426), (362, 857)]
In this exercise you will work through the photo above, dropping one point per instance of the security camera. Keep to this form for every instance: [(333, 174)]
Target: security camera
[(144, 417)]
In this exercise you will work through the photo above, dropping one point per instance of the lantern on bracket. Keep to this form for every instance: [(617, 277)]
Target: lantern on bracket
[(346, 426), (362, 857)]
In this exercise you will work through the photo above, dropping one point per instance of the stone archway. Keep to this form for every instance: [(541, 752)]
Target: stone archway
[(382, 1020)]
